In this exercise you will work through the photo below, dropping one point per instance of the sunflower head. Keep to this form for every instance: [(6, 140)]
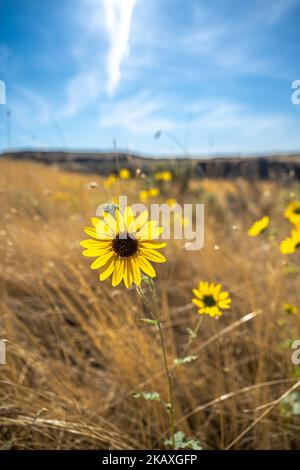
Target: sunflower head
[(292, 212), (259, 227), (153, 192), (110, 181), (144, 196), (291, 244), (210, 299), (123, 246), (124, 174), (290, 309), (171, 202)]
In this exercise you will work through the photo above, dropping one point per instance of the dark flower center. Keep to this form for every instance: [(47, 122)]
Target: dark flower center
[(125, 246), (209, 301), (297, 210)]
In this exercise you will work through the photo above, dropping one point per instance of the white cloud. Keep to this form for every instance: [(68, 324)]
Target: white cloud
[(81, 90), (118, 17), (138, 115)]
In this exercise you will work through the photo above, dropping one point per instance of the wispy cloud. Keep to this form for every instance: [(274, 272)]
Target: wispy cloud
[(118, 17), (141, 114)]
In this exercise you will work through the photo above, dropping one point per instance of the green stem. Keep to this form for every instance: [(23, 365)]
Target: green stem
[(156, 315), (189, 343)]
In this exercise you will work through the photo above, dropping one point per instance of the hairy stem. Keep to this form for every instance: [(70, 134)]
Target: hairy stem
[(155, 312)]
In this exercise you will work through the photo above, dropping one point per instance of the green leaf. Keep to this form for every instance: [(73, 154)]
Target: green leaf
[(150, 321), (293, 268), (184, 360), (192, 333), (181, 442), (151, 396)]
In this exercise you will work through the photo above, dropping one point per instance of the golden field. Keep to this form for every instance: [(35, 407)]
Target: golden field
[(77, 349)]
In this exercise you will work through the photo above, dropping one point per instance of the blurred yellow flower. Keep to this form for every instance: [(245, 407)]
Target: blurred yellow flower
[(290, 309), (292, 212), (290, 244), (259, 227), (153, 192), (123, 246), (184, 221), (144, 196), (163, 176), (210, 299), (61, 196), (171, 202), (124, 174), (110, 181)]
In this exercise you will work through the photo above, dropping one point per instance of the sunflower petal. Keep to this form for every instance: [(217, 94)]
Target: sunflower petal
[(139, 222), (128, 217), (149, 231), (107, 269), (198, 302), (152, 245), (102, 260), (110, 221), (145, 266), (136, 271), (128, 278), (95, 221), (121, 228), (153, 255), (118, 272)]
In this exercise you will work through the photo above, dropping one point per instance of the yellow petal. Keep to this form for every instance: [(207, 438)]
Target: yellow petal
[(136, 271), (198, 302), (118, 272), (197, 293), (102, 260), (120, 221), (91, 232), (224, 304), (103, 230), (149, 231), (107, 270), (145, 266), (128, 278), (128, 217), (152, 245), (95, 221), (139, 222), (223, 295), (153, 255), (110, 221)]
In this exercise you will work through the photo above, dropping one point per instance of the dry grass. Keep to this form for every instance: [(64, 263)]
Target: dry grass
[(76, 348)]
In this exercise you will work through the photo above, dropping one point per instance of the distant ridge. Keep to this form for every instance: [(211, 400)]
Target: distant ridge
[(286, 167)]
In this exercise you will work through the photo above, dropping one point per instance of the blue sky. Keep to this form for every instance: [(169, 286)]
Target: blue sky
[(215, 74)]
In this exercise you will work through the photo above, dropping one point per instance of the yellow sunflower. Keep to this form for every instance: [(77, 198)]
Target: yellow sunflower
[(292, 212), (290, 244), (124, 174), (171, 202), (123, 246), (153, 192), (110, 181), (163, 175), (290, 309), (144, 196), (210, 299), (259, 227)]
